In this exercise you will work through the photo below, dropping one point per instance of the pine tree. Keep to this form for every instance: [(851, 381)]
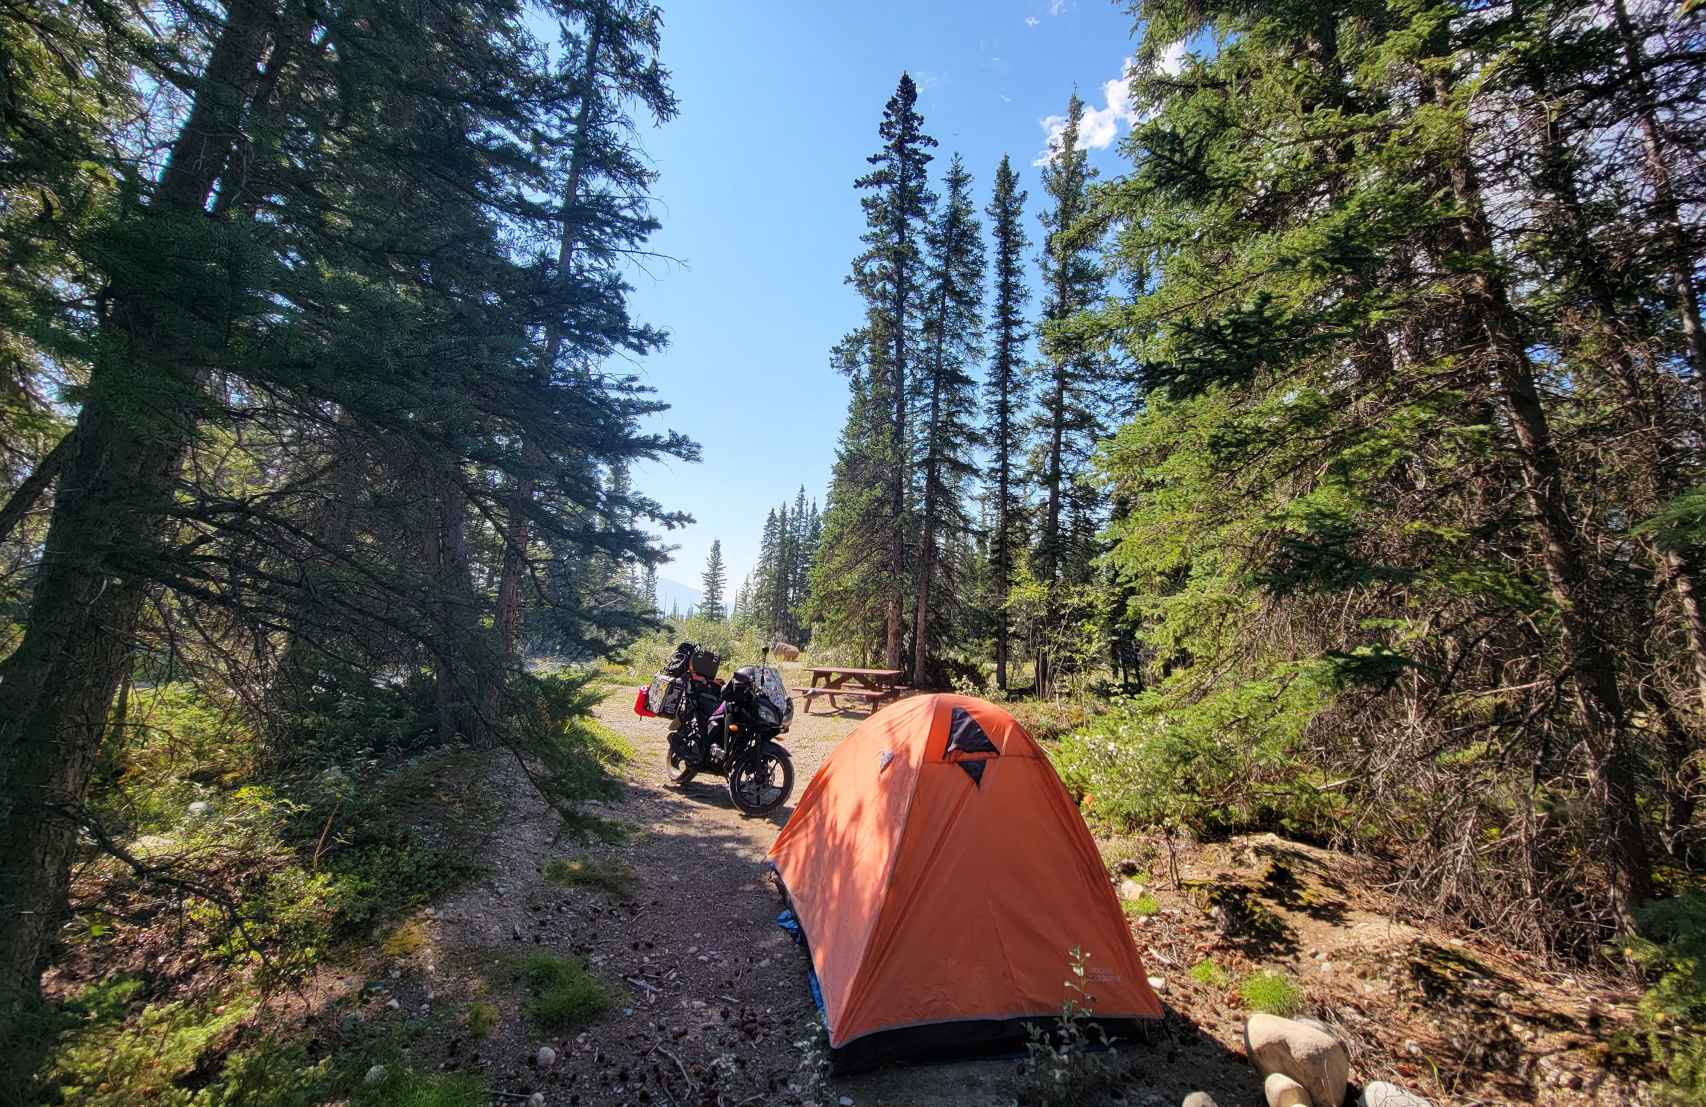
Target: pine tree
[(889, 274), (1006, 395), (1398, 472), (948, 439), (806, 529), (1073, 383), (331, 279), (711, 584), (849, 579)]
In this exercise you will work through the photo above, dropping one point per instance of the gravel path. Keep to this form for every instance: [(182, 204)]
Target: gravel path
[(709, 996)]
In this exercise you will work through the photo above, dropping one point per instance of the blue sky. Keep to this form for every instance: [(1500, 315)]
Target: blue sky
[(779, 107)]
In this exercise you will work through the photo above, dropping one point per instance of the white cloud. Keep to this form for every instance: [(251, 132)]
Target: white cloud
[(1031, 21), (1099, 126), (1172, 59), (1056, 7)]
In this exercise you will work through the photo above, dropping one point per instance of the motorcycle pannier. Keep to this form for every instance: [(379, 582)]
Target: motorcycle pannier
[(664, 696), (705, 663)]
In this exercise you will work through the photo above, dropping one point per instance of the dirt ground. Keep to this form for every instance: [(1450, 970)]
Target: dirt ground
[(711, 998)]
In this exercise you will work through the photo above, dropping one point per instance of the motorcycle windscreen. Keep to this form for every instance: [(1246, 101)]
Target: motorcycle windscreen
[(770, 686)]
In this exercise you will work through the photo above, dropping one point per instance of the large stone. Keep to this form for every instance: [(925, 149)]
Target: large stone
[(1308, 1054), (545, 1058), (1199, 1099), (376, 1075), (1379, 1093), (1281, 1090)]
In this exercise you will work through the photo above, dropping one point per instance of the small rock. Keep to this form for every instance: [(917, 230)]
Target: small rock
[(1158, 984), (845, 1101), (1199, 1099), (200, 809), (537, 1099), (393, 1004), (515, 932), (376, 1075), (1131, 889), (545, 1058), (1379, 1093), (1281, 1090), (1308, 1054)]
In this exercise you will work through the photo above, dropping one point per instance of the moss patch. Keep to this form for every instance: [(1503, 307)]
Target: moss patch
[(409, 938), (607, 875), (561, 992), (1271, 992)]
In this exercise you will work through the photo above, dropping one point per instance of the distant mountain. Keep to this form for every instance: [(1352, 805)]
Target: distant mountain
[(673, 593)]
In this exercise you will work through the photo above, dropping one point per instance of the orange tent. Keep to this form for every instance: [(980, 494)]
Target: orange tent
[(941, 875)]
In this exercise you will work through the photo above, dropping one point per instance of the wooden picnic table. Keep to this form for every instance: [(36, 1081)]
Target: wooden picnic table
[(872, 686)]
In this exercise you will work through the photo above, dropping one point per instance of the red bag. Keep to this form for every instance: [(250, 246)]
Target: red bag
[(640, 707)]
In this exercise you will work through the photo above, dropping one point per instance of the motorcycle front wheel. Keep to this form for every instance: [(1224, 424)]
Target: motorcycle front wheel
[(762, 780), (680, 772)]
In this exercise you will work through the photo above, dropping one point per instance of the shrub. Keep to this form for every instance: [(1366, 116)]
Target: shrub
[(1073, 1061), (561, 992), (1271, 992), (1672, 1014), (1226, 762)]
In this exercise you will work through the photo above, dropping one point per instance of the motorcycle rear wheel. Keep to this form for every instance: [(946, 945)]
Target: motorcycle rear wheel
[(680, 772), (763, 780)]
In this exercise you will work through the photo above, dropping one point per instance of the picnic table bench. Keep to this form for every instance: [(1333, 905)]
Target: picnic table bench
[(869, 686)]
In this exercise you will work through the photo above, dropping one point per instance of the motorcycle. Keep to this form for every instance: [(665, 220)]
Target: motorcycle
[(730, 728)]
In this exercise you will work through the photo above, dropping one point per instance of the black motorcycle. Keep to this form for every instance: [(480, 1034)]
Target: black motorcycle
[(730, 728)]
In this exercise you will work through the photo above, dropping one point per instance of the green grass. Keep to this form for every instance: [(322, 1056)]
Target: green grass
[(607, 875), (1210, 974), (561, 992), (1271, 992), (407, 1088), (1144, 905), (481, 1019)]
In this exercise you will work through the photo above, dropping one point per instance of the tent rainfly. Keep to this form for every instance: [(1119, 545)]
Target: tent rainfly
[(942, 875)]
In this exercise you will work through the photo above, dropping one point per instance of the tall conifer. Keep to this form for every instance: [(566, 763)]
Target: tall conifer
[(1006, 393)]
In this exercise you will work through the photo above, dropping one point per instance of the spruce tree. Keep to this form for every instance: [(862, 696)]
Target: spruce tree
[(1006, 394), (948, 438), (889, 274), (711, 584), (331, 277), (1073, 383), (1405, 404)]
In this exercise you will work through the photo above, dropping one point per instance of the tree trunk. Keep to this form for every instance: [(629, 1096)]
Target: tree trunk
[(927, 535), (1591, 666), (897, 478), (57, 687)]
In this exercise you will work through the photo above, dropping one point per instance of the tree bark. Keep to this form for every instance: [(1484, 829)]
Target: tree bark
[(1592, 669), (927, 535), (56, 689)]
